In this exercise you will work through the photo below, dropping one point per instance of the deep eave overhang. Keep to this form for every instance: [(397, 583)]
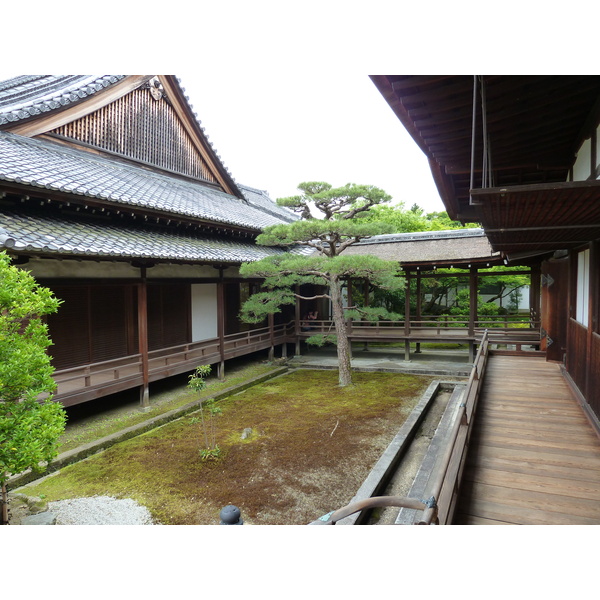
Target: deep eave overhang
[(539, 218), (536, 125)]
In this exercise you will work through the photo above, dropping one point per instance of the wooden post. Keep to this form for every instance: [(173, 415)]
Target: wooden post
[(221, 327), (407, 318), (349, 321), (407, 305), (271, 321), (473, 293), (534, 292), (143, 338), (297, 321), (419, 316), (366, 288)]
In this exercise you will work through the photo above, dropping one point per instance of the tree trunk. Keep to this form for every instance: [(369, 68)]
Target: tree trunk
[(4, 503), (339, 321)]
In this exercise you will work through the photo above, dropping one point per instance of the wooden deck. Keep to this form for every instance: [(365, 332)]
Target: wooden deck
[(533, 458)]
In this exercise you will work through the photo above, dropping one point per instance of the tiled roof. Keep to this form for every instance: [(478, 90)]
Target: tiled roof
[(47, 165), (69, 237), (261, 200), (29, 95), (460, 245)]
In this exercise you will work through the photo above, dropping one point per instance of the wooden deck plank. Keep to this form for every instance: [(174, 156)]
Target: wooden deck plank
[(533, 456), (536, 468), (516, 499), (550, 482), (485, 509)]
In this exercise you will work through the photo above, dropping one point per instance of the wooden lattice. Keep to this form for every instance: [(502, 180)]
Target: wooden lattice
[(143, 128)]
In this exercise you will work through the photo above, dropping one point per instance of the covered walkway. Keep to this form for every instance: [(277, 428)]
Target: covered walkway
[(533, 457)]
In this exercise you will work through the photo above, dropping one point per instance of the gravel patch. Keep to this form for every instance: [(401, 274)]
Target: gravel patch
[(100, 510)]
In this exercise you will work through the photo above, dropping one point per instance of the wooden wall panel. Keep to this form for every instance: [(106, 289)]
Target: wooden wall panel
[(69, 327), (108, 311), (168, 315), (554, 307), (593, 396), (91, 325)]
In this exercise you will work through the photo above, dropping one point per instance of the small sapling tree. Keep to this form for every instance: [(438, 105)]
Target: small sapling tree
[(30, 421), (208, 411), (338, 228)]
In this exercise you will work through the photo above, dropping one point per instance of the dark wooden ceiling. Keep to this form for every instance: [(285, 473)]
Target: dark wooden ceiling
[(535, 125)]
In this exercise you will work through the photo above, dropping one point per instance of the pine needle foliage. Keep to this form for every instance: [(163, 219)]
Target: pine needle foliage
[(316, 246)]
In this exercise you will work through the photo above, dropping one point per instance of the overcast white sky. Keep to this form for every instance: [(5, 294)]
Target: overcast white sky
[(275, 130)]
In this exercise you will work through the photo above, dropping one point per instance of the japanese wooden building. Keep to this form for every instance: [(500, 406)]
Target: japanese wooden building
[(112, 196), (521, 156)]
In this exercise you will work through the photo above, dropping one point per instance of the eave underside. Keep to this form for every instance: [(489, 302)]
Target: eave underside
[(540, 218), (534, 126)]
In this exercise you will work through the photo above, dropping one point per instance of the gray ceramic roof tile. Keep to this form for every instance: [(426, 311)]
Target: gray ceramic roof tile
[(28, 95), (48, 165), (66, 237)]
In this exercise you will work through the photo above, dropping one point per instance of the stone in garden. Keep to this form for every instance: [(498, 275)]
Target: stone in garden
[(43, 518)]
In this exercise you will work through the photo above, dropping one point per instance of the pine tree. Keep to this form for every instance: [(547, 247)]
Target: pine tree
[(338, 228)]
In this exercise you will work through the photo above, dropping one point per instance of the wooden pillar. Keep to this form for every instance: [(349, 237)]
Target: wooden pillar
[(419, 315), (535, 293), (349, 321), (221, 327), (407, 318), (473, 293), (143, 339), (366, 292), (297, 321), (271, 321)]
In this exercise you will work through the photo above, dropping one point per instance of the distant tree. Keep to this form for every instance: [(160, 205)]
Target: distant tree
[(507, 286), (29, 426), (411, 220), (328, 237)]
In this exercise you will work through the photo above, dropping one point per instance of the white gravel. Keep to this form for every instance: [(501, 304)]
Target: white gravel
[(99, 510)]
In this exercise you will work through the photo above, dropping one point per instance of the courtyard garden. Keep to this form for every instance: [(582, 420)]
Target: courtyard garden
[(291, 449)]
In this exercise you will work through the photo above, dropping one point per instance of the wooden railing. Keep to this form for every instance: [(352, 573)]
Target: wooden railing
[(519, 325), (108, 369), (439, 508), (125, 372), (119, 374), (446, 487)]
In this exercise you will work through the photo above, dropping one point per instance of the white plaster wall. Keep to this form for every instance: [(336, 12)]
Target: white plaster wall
[(166, 271), (204, 311), (42, 267), (581, 168)]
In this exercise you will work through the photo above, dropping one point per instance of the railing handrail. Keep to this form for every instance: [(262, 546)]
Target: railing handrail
[(464, 418), (108, 366), (430, 508)]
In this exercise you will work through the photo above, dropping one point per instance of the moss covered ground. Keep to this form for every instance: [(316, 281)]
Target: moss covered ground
[(312, 444)]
